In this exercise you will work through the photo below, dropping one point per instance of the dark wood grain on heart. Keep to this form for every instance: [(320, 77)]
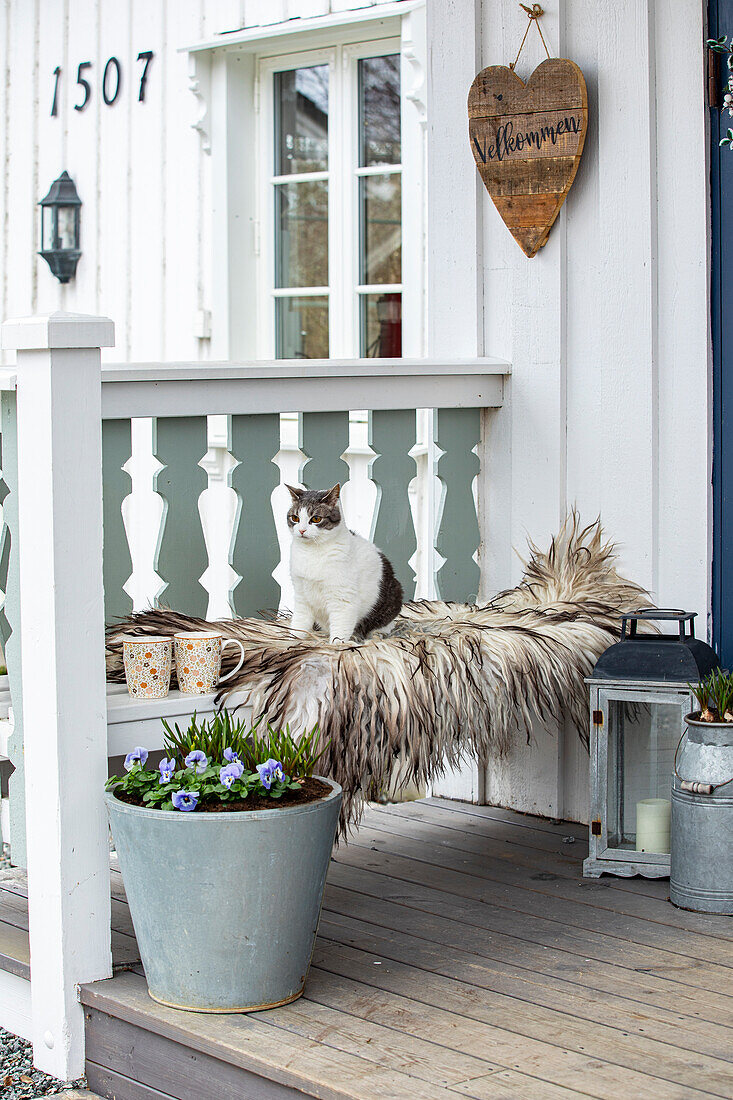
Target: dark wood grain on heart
[(527, 140)]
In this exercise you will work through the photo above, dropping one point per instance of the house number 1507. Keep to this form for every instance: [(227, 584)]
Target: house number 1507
[(111, 82)]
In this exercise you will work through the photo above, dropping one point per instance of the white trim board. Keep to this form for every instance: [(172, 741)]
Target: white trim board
[(254, 37), (285, 386), (132, 722)]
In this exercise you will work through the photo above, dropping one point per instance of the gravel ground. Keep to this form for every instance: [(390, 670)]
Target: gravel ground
[(18, 1079)]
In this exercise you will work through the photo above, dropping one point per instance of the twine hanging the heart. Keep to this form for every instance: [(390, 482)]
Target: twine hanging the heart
[(527, 139)]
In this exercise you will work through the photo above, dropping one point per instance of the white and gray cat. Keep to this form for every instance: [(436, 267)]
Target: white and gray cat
[(343, 584)]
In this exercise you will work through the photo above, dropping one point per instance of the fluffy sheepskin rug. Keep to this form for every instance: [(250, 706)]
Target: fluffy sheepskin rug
[(451, 680)]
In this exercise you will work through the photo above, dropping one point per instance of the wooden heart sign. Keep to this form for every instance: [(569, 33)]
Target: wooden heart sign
[(527, 140)]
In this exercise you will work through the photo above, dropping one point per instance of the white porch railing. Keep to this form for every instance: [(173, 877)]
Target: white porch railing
[(69, 559)]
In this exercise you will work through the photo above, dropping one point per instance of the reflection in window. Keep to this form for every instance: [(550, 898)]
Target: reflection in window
[(301, 120), (301, 231), (379, 102), (380, 207), (362, 297), (381, 228), (381, 325), (302, 327), (301, 211)]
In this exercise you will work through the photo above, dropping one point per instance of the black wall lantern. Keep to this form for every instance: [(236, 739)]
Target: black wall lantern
[(60, 228)]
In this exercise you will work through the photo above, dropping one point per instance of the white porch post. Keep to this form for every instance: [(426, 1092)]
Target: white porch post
[(62, 647)]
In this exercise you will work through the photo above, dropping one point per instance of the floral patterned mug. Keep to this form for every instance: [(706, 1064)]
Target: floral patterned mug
[(147, 666), (198, 660)]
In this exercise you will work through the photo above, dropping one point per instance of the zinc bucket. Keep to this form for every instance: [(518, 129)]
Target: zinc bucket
[(225, 905), (701, 834)]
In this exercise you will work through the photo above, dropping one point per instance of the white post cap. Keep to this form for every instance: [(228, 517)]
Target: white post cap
[(58, 330)]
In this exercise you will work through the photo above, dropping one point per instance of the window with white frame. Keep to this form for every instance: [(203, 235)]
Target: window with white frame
[(330, 203)]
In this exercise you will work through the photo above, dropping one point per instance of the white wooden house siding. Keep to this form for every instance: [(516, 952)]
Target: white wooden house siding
[(608, 406)]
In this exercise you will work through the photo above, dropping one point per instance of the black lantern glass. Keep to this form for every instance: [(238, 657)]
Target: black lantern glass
[(60, 211)]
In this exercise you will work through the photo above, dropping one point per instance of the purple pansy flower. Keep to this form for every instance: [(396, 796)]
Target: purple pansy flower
[(231, 755), (269, 772), (167, 767), (137, 756), (230, 773), (197, 760), (185, 800)]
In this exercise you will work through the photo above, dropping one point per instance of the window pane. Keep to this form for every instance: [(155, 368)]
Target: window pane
[(301, 120), (301, 234), (302, 327), (379, 108), (381, 325), (381, 228)]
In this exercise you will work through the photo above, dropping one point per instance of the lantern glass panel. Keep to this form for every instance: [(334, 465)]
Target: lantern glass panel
[(642, 739), (47, 232), (67, 216)]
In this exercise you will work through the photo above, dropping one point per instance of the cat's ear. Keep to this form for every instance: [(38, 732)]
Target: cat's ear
[(332, 496), (296, 494)]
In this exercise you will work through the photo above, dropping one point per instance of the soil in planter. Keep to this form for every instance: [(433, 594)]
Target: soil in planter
[(312, 790)]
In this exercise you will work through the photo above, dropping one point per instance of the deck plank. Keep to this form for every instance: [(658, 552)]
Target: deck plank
[(475, 1021), (526, 889), (555, 918), (549, 1032), (460, 954), (344, 1029), (14, 910), (656, 888), (17, 883), (556, 995), (438, 826), (248, 1042), (15, 955), (509, 943), (505, 1084)]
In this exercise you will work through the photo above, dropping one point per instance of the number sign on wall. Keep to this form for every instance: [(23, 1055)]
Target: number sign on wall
[(111, 83), (527, 140)]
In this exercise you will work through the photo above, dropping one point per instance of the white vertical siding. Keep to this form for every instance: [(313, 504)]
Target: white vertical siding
[(139, 168), (607, 331), (607, 327)]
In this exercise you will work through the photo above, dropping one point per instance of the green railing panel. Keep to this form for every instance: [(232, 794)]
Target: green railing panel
[(324, 438), (392, 436), (180, 442), (116, 485), (255, 441), (11, 624), (457, 431)]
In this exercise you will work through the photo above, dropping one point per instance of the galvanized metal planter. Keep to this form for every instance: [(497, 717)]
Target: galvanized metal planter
[(225, 905), (701, 873)]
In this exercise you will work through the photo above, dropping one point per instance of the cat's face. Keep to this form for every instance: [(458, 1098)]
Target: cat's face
[(314, 515)]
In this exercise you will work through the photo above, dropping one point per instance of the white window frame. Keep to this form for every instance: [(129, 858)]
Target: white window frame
[(344, 290)]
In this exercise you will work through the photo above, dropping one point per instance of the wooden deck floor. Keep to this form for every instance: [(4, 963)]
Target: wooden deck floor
[(460, 953)]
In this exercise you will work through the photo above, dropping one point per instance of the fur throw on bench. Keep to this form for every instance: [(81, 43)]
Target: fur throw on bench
[(451, 680)]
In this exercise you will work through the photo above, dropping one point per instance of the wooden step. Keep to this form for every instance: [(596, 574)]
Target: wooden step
[(140, 1050)]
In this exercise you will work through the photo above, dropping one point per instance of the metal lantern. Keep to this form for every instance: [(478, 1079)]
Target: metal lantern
[(639, 696), (60, 211)]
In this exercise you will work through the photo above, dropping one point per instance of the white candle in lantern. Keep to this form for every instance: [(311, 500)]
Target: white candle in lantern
[(652, 824)]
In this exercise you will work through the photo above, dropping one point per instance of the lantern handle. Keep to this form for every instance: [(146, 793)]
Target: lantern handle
[(659, 614)]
